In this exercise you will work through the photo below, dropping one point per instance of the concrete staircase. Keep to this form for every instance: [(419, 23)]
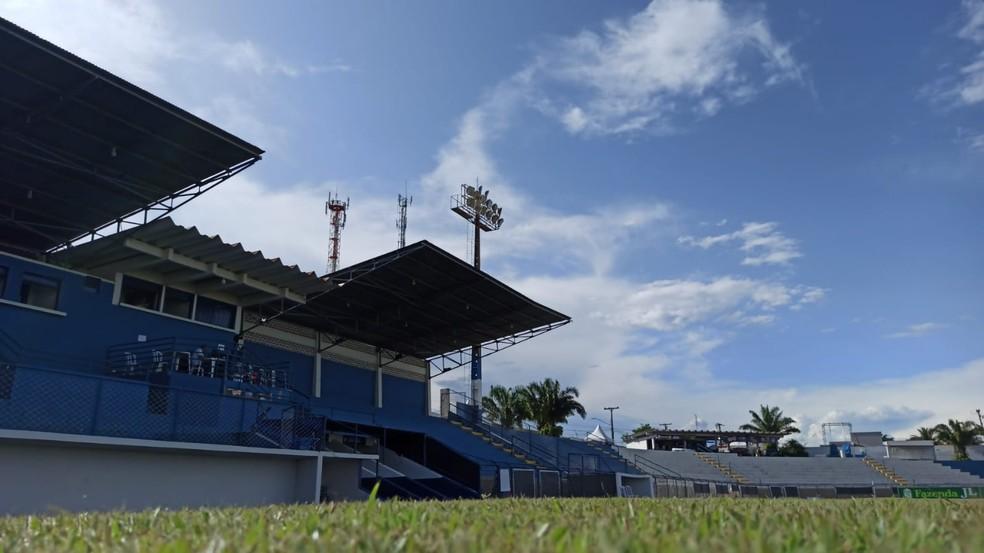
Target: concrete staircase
[(612, 455), (885, 471), (495, 442), (722, 468)]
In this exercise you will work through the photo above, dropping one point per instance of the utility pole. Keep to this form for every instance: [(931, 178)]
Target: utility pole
[(979, 418), (611, 420), (473, 205), (665, 425)]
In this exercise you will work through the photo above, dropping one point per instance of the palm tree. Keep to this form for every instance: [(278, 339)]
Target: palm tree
[(924, 433), (505, 406), (770, 420), (959, 434), (549, 406)]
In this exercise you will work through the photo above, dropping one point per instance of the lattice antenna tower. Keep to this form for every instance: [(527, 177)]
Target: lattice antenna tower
[(337, 210), (403, 201)]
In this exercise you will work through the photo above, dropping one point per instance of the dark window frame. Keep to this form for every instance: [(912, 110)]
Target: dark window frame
[(42, 280), (232, 317), (168, 291), (141, 281)]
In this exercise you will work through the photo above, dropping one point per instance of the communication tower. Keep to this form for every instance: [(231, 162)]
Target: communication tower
[(401, 222), (336, 209)]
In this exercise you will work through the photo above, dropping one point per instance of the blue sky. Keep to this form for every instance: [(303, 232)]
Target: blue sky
[(739, 202)]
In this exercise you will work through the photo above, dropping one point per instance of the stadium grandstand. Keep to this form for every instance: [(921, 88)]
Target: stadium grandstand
[(145, 364)]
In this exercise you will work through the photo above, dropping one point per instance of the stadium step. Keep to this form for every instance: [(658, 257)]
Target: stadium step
[(885, 471), (478, 432), (722, 468)]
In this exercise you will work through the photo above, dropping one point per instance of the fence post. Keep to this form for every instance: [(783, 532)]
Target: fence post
[(242, 415), (95, 407), (174, 415)]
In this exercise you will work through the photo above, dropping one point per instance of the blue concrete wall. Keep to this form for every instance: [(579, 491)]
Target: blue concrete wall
[(78, 341), (92, 323)]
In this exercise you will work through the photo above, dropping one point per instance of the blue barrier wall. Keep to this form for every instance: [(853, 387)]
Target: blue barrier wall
[(91, 322), (970, 467), (77, 340)]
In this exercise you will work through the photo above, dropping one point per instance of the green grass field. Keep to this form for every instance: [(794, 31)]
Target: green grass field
[(588, 525)]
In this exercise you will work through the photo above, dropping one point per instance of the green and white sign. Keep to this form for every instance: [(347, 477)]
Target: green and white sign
[(940, 493)]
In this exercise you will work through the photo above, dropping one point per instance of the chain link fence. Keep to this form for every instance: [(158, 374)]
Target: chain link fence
[(49, 400)]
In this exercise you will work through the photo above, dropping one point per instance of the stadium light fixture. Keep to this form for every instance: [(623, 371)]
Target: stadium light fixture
[(473, 204)]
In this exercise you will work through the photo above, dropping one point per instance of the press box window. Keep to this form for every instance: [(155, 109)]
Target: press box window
[(140, 293), (178, 303), (215, 313), (39, 291)]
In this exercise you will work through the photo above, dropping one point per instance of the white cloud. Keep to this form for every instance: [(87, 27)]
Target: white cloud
[(917, 330), (667, 305), (640, 72), (246, 56), (967, 86), (762, 243)]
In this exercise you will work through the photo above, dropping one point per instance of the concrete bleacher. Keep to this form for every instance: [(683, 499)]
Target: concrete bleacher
[(465, 443), (674, 464), (568, 454), (931, 473), (832, 471)]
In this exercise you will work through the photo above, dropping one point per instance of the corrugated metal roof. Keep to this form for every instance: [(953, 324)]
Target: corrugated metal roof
[(81, 147), (117, 249)]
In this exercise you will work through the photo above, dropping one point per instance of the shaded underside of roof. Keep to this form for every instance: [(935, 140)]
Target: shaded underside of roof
[(421, 301), (184, 256), (701, 434), (81, 147)]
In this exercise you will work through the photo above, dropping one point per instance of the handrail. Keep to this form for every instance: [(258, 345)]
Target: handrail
[(484, 423), (141, 359)]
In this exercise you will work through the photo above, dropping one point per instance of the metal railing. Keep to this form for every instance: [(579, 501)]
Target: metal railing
[(461, 409), (51, 400), (242, 374)]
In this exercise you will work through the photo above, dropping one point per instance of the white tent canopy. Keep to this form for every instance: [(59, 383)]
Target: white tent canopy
[(597, 435)]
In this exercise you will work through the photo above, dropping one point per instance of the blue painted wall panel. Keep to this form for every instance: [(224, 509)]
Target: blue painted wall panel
[(78, 342)]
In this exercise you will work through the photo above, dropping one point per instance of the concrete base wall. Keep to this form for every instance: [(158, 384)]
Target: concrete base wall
[(340, 480), (41, 475), (46, 478)]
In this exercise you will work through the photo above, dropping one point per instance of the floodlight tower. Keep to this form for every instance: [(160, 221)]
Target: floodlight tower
[(473, 205), (401, 222), (337, 210)]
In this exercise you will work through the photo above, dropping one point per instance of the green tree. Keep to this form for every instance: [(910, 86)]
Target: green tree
[(792, 448), (549, 406), (959, 434), (643, 428), (505, 406), (924, 433), (770, 419)]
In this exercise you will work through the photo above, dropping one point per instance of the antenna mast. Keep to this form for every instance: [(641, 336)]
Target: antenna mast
[(337, 210), (401, 222)]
